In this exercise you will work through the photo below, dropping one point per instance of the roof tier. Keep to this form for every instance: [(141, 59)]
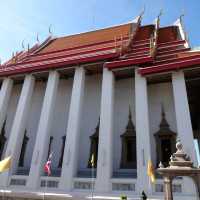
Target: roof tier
[(151, 48)]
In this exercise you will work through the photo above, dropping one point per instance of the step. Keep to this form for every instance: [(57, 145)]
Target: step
[(147, 44), (173, 42), (141, 41), (169, 48), (140, 50), (172, 51), (166, 56), (174, 60), (138, 56), (137, 53), (164, 61)]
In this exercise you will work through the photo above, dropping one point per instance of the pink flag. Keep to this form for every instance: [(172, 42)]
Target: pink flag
[(47, 166)]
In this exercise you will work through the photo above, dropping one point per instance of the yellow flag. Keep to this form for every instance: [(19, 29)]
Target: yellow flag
[(150, 171), (92, 160), (5, 164)]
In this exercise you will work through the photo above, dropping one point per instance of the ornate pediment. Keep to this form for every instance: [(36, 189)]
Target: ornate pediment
[(128, 139), (164, 130), (130, 128), (94, 141)]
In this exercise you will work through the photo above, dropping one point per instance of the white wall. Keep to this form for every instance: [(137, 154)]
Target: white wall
[(33, 119), (60, 118), (158, 95), (90, 116), (12, 106), (124, 98)]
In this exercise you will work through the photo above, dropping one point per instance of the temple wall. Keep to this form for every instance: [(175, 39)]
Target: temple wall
[(124, 99), (90, 117), (12, 106), (160, 95), (60, 118), (33, 119)]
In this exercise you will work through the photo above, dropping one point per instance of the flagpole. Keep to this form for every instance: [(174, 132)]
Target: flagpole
[(92, 181), (7, 183), (45, 188), (5, 166)]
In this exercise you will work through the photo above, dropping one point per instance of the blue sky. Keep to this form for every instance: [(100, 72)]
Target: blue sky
[(23, 19)]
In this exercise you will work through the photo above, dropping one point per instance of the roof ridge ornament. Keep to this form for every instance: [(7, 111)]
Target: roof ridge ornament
[(180, 24), (161, 13), (37, 38), (138, 19), (23, 47), (142, 12), (28, 47), (157, 20), (182, 15), (50, 31)]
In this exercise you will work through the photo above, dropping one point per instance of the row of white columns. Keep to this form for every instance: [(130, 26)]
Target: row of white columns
[(70, 161)]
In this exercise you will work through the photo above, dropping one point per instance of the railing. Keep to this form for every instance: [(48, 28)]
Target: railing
[(49, 182), (176, 186), (83, 183), (17, 180), (120, 185)]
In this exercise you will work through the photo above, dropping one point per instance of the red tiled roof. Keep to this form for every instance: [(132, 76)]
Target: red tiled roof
[(152, 49)]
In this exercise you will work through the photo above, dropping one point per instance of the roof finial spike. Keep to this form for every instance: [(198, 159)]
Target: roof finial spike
[(23, 47), (37, 38), (161, 13), (28, 47), (182, 15), (129, 116), (143, 11), (162, 110), (50, 31)]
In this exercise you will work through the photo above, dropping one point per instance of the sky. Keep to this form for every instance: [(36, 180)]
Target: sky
[(24, 19)]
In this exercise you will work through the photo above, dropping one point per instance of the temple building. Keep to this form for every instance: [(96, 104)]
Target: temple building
[(122, 95)]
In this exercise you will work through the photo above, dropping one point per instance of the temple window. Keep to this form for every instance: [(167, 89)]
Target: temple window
[(62, 151), (23, 150), (94, 141), (128, 139), (50, 146), (165, 141), (2, 139)]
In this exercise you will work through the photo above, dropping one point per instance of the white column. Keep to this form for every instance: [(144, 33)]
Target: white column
[(142, 133), (19, 124), (5, 95), (69, 167), (43, 132), (183, 121), (105, 160)]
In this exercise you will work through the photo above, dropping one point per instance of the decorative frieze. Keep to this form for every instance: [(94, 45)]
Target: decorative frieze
[(83, 185), (123, 187), (177, 188), (49, 183), (17, 182)]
